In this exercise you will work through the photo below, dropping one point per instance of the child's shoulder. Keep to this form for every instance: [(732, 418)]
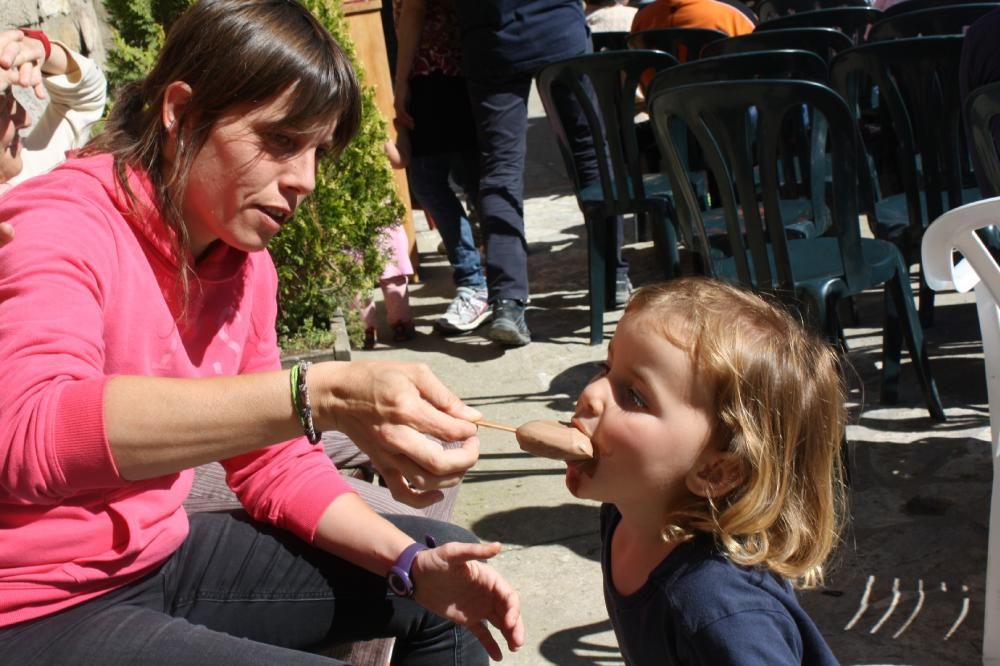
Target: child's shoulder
[(699, 575)]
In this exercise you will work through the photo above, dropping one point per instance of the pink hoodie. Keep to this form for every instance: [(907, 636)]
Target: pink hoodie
[(87, 292)]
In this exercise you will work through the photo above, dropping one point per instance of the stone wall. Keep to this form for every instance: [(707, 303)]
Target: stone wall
[(79, 24)]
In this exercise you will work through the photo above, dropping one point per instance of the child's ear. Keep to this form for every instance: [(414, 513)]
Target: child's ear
[(716, 474)]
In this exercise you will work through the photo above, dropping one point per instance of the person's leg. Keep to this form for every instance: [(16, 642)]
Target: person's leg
[(130, 626), (501, 113), (237, 592), (429, 185)]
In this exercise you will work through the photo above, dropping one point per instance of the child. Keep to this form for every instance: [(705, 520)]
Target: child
[(717, 423), (395, 275)]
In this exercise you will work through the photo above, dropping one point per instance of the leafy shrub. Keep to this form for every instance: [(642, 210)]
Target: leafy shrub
[(329, 252)]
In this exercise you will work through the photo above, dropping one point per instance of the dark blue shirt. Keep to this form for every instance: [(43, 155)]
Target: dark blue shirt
[(501, 38), (700, 609)]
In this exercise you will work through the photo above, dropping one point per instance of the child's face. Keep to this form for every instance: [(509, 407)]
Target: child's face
[(649, 421)]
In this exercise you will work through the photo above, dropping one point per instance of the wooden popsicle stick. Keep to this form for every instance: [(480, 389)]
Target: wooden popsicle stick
[(495, 426)]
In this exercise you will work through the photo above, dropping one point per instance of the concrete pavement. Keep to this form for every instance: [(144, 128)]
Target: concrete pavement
[(906, 585)]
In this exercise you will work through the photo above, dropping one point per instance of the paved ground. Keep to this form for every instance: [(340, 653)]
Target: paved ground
[(907, 584)]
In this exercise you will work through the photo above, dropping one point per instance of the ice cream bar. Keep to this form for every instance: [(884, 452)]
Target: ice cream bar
[(551, 439)]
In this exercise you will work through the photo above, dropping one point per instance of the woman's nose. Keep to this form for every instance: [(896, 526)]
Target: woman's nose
[(300, 173)]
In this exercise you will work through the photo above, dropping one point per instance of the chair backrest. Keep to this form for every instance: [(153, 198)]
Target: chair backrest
[(769, 9), (983, 116), (852, 21), (908, 6), (604, 85), (917, 82), (738, 145), (824, 42), (784, 64), (609, 41), (957, 231), (950, 20), (685, 44)]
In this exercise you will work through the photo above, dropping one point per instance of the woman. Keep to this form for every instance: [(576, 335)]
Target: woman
[(137, 338)]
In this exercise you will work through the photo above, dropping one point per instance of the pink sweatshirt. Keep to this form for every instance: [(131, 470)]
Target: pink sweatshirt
[(86, 294)]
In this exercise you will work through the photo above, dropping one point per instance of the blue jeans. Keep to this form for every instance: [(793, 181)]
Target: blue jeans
[(501, 111), (237, 592), (429, 183)]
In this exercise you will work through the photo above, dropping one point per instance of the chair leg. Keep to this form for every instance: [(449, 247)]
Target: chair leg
[(892, 344), (902, 320), (596, 273), (926, 303), (665, 242)]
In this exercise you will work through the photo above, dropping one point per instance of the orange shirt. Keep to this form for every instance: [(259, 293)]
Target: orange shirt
[(692, 14)]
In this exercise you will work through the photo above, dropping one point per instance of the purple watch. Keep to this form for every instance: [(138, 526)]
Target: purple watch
[(399, 575)]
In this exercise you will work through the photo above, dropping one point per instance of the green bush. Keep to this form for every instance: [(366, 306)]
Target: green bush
[(329, 253)]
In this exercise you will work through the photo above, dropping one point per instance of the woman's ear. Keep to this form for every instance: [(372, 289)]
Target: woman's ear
[(716, 474), (175, 101)]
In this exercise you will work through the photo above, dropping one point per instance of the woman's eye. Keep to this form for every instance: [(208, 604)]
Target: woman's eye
[(281, 142)]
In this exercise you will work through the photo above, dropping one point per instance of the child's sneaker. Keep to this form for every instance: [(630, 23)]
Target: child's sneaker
[(467, 311), (403, 331)]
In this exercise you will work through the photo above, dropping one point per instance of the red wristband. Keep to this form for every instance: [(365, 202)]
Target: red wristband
[(40, 36)]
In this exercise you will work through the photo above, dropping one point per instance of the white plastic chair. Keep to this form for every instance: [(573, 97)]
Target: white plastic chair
[(955, 231)]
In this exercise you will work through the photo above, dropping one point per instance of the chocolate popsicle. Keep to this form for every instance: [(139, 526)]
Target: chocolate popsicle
[(551, 439)]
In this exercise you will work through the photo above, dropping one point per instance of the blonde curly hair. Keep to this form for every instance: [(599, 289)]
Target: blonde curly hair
[(780, 406)]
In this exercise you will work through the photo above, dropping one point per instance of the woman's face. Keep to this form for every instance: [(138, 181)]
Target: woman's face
[(249, 177), (13, 118)]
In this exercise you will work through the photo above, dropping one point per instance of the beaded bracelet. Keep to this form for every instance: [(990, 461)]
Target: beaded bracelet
[(300, 400)]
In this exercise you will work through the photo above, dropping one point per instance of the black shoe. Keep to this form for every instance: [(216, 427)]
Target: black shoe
[(623, 289), (508, 327)]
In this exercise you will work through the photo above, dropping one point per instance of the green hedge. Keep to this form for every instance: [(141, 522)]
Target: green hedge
[(328, 253)]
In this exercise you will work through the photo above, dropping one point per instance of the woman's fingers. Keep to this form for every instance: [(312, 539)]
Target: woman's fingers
[(9, 47), (482, 633), (403, 492)]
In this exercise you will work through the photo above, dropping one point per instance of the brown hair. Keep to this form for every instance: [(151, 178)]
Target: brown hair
[(231, 53), (780, 407)]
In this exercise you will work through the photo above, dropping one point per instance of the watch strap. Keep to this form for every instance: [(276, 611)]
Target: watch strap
[(399, 574)]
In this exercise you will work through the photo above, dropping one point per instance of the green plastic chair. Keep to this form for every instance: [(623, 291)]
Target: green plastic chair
[(852, 21), (919, 5), (920, 107), (605, 86), (814, 274), (949, 20), (685, 44), (983, 114), (802, 205), (824, 42), (769, 9)]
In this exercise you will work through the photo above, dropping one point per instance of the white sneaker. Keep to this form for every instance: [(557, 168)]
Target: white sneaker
[(468, 310)]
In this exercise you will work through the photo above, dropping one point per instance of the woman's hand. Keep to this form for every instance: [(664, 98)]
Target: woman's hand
[(21, 61), (451, 581), (6, 233), (384, 407)]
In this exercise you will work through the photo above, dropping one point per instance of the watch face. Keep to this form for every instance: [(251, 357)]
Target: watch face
[(399, 585)]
